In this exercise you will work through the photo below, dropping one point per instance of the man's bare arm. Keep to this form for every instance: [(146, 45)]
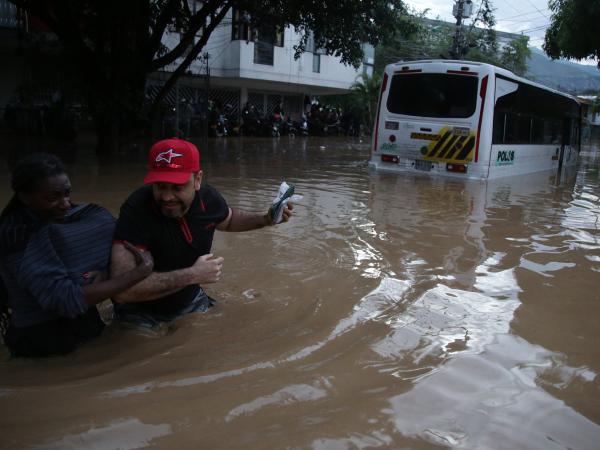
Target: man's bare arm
[(206, 269), (244, 221), (101, 289)]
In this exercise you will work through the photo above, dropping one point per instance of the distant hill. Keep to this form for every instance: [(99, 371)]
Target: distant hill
[(564, 76)]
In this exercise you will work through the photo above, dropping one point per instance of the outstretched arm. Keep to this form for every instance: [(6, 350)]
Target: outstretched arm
[(206, 269), (238, 220)]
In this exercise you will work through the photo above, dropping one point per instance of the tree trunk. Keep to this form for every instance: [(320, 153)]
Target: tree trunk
[(117, 108)]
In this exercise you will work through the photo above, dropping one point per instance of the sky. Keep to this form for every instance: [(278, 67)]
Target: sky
[(530, 17)]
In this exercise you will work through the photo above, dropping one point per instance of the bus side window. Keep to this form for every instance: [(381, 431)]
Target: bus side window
[(552, 131), (533, 115), (537, 132), (511, 134), (498, 130), (566, 129), (548, 132), (524, 136), (574, 134), (518, 129)]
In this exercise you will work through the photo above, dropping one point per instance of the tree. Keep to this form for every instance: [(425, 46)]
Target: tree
[(514, 56), (480, 35), (365, 96), (115, 45), (573, 32), (433, 39), (362, 100)]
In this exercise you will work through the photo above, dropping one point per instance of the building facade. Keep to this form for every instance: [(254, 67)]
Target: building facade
[(258, 66), (590, 119)]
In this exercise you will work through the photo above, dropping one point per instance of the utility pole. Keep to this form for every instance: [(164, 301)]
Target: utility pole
[(177, 131), (206, 99), (462, 10)]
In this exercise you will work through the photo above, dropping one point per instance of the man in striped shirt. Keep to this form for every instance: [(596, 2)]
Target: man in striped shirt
[(53, 256)]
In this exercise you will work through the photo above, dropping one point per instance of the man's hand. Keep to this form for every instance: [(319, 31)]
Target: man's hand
[(206, 269), (286, 214), (130, 260), (93, 276), (134, 267), (144, 263)]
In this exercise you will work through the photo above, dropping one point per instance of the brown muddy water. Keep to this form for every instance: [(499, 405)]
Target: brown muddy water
[(393, 311)]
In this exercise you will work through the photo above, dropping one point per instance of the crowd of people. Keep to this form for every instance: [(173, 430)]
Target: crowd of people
[(56, 118), (217, 120), (58, 260), (50, 117)]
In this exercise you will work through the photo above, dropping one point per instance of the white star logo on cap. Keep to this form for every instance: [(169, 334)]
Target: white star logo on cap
[(167, 156)]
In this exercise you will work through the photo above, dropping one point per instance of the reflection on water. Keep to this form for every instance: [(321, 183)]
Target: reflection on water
[(394, 311), (123, 434)]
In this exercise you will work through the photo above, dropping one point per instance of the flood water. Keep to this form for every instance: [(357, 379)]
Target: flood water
[(393, 311)]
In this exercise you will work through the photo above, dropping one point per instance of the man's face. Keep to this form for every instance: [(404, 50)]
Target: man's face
[(175, 200), (51, 200)]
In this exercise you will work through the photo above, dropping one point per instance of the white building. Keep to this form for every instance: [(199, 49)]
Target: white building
[(255, 65), (259, 66)]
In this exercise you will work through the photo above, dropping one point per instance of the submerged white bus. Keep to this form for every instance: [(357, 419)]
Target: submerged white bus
[(471, 120)]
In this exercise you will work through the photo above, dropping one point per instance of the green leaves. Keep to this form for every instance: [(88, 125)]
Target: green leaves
[(365, 95), (339, 28), (514, 56), (573, 30)]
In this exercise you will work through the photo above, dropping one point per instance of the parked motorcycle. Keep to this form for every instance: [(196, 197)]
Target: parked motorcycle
[(290, 127), (251, 123), (303, 128), (276, 124), (221, 128)]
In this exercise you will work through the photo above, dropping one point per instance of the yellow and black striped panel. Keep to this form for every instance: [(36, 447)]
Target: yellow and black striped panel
[(451, 148)]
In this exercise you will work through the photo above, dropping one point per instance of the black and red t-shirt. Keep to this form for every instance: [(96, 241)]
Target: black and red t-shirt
[(174, 243)]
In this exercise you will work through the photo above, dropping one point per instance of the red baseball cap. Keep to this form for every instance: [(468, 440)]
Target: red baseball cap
[(172, 161)]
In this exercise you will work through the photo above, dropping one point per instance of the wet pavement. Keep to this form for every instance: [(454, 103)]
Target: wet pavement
[(393, 311)]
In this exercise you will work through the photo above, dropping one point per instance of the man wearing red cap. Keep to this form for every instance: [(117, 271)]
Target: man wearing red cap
[(174, 217)]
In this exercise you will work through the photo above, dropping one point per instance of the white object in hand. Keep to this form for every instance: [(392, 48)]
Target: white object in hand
[(284, 195)]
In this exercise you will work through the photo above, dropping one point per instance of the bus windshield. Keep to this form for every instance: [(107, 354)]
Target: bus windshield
[(433, 95)]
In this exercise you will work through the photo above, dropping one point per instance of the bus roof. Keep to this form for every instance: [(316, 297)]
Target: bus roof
[(498, 70)]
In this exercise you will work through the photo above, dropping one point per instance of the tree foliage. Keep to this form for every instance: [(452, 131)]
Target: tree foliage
[(115, 45), (365, 94), (514, 56), (362, 100), (573, 31), (481, 35), (433, 39)]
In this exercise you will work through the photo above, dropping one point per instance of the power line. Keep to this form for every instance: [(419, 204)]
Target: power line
[(537, 12), (517, 15), (531, 19), (536, 8), (512, 6), (530, 30)]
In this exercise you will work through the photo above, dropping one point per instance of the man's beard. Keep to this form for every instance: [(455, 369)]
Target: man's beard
[(177, 210)]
